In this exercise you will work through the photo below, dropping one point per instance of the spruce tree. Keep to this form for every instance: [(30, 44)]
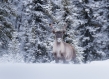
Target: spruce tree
[(6, 26)]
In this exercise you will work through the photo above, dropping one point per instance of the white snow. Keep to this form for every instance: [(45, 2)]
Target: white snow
[(94, 70)]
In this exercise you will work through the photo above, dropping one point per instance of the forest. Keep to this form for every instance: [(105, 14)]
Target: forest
[(26, 35)]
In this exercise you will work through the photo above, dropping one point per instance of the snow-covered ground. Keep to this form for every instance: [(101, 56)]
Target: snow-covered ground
[(94, 70)]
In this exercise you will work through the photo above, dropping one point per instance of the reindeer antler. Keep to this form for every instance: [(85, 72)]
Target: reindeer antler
[(65, 26), (53, 30)]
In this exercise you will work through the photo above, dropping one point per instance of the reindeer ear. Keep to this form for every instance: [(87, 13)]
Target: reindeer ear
[(63, 31), (50, 25), (53, 31)]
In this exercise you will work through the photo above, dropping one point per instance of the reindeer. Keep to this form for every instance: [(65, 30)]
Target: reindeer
[(61, 50)]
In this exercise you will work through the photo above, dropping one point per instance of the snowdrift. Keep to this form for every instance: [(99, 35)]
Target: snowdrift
[(94, 70)]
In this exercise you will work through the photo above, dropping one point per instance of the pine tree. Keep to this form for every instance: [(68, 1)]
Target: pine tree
[(14, 50), (6, 26), (36, 33), (93, 39)]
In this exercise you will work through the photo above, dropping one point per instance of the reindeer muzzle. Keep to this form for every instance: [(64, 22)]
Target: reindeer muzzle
[(59, 39)]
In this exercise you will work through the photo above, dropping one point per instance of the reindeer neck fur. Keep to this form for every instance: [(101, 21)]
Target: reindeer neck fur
[(58, 43), (58, 47)]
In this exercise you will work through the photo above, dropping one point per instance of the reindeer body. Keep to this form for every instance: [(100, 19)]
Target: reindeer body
[(63, 51)]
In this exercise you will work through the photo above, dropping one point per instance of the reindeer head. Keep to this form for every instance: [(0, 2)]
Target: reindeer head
[(58, 33)]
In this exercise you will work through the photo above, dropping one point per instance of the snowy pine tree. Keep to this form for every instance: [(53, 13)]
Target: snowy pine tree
[(14, 50), (36, 33), (25, 30), (94, 33), (6, 26)]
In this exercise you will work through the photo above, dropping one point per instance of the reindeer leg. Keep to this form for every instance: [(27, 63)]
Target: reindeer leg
[(56, 58), (64, 61), (63, 58)]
